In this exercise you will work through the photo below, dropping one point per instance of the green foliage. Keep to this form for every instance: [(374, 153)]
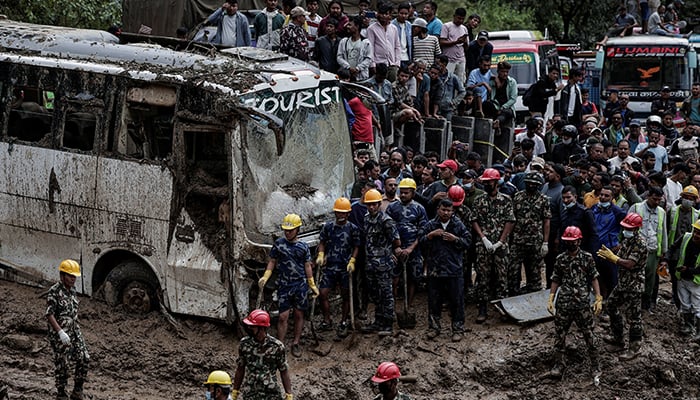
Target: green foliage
[(94, 14), (495, 15)]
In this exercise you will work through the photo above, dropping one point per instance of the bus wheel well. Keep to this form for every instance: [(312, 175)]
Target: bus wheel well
[(124, 278)]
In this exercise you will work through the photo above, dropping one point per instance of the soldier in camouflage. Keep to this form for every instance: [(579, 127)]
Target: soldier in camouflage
[(530, 235), (338, 247), (492, 220), (65, 337), (410, 218), (445, 240), (387, 380), (260, 356), (383, 245), (292, 258), (627, 295), (574, 273)]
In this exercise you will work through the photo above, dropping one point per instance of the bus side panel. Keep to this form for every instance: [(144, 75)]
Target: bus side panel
[(44, 207)]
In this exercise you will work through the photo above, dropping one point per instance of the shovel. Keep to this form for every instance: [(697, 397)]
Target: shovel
[(316, 349), (407, 319), (351, 343)]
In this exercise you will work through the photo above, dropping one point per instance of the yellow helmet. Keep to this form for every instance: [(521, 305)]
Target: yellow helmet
[(407, 183), (291, 221), (372, 196), (342, 205), (691, 190), (70, 267), (218, 378), (696, 224)]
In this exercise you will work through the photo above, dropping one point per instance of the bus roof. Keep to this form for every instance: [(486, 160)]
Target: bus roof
[(651, 40)]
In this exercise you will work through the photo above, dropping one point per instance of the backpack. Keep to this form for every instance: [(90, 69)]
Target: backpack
[(527, 96)]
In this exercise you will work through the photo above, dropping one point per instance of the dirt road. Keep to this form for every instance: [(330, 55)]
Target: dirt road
[(142, 357)]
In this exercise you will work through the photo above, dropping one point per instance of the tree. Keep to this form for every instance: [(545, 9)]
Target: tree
[(495, 15), (93, 14)]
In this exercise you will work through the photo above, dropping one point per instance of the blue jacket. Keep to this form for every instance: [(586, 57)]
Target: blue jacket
[(409, 37), (445, 258), (242, 28)]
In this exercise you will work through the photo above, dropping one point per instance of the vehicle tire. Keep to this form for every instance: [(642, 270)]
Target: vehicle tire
[(133, 285)]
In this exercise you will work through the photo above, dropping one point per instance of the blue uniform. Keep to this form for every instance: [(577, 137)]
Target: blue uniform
[(339, 242), (379, 232), (410, 220), (291, 279)]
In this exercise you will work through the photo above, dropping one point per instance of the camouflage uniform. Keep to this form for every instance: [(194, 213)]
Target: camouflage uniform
[(492, 215), (399, 396), (291, 278), (573, 275), (445, 275), (339, 241), (410, 220), (261, 363), (530, 212), (627, 295), (380, 231), (63, 305)]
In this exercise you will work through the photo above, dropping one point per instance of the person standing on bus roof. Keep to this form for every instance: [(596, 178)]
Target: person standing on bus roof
[(293, 40), (231, 26), (293, 259), (65, 337), (267, 26)]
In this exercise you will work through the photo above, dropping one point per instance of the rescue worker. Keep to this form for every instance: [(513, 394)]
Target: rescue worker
[(688, 275), (64, 333), (574, 273), (383, 246), (680, 219), (261, 356), (218, 386), (338, 246), (530, 235), (293, 259), (410, 218), (445, 240), (387, 378), (627, 295), (654, 233), (492, 220)]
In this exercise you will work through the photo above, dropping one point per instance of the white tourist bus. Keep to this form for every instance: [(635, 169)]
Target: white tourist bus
[(165, 174)]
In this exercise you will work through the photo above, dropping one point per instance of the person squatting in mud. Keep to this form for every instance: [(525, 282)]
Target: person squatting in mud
[(260, 356), (387, 380), (292, 258), (64, 333)]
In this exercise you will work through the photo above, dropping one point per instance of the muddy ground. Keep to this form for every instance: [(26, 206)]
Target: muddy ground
[(143, 357)]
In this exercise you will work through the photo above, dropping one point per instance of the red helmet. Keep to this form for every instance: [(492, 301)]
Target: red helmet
[(257, 318), (632, 221), (491, 174), (386, 372), (571, 233), (456, 195)]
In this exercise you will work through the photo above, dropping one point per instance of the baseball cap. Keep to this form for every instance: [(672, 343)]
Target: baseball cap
[(297, 11), (451, 164), (420, 22), (537, 162), (635, 122), (665, 89), (483, 35)]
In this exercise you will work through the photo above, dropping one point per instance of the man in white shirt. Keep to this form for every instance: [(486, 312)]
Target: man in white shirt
[(384, 38), (405, 34), (531, 133), (674, 184), (623, 156), (313, 20)]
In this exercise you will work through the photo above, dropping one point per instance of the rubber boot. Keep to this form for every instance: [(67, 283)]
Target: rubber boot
[(61, 394), (481, 318), (632, 352), (77, 393), (686, 324), (697, 330)]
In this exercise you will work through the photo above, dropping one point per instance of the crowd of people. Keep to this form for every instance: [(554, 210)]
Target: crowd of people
[(648, 17)]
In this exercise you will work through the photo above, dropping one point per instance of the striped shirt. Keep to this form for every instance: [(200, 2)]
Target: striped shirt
[(426, 49)]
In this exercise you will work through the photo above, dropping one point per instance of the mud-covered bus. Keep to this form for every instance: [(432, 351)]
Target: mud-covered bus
[(640, 65), (165, 174)]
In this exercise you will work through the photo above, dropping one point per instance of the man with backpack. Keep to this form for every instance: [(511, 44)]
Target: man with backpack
[(536, 97)]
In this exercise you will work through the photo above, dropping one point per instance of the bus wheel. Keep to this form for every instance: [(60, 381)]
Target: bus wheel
[(132, 285)]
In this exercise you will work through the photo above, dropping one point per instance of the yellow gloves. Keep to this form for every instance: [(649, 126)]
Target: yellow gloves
[(321, 259), (351, 265), (265, 277), (550, 304), (598, 305), (312, 286), (607, 254), (234, 394), (288, 396)]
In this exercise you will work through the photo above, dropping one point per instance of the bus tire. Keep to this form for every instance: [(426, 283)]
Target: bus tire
[(131, 284)]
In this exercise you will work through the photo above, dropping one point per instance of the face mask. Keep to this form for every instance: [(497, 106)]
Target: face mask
[(604, 205), (687, 203), (488, 187), (570, 205), (628, 234), (500, 182), (566, 141), (571, 246), (207, 395), (468, 186), (531, 188)]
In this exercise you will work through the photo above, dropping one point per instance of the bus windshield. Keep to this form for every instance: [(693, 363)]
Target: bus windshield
[(646, 73), (524, 67)]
